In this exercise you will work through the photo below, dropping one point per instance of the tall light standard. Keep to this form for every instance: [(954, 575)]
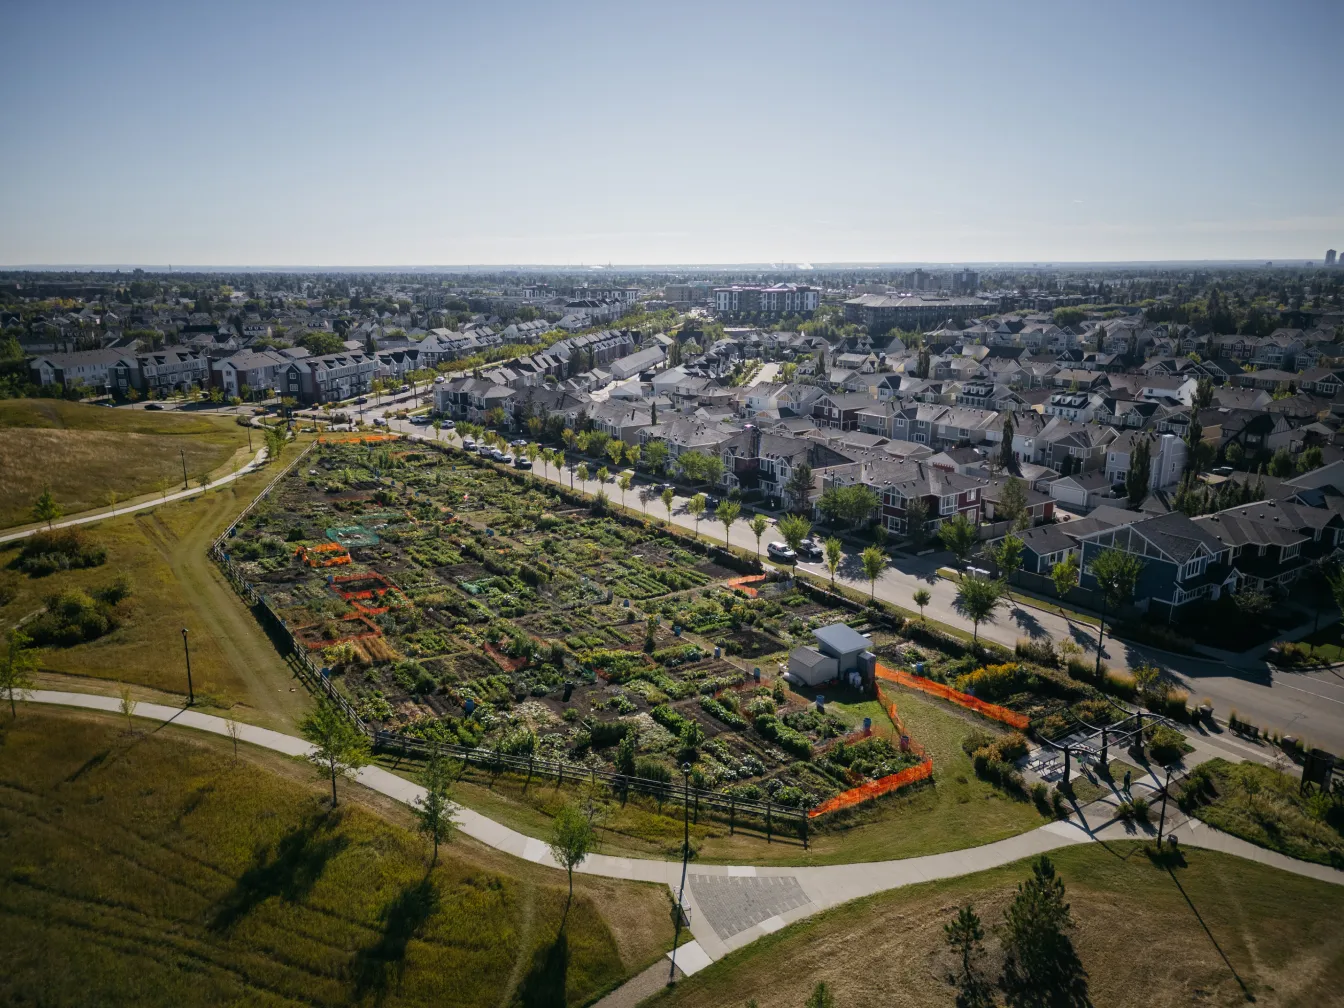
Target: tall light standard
[(191, 694), (1162, 822), (685, 856), (183, 453)]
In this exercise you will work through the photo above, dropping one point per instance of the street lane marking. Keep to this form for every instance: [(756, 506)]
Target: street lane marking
[(1310, 693)]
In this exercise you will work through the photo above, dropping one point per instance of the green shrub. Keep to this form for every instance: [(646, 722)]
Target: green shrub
[(72, 617), (669, 718), (715, 709), (607, 733), (1166, 744), (976, 741), (1040, 651), (45, 553)]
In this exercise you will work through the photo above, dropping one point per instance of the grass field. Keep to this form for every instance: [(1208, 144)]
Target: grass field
[(84, 452), (150, 869), (957, 810), (1267, 807), (173, 585), (1146, 938)]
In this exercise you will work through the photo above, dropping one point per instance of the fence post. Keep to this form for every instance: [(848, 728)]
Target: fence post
[(732, 814), (804, 821), (769, 826), (531, 758)]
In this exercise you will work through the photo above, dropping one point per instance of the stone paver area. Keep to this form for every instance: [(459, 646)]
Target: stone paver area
[(731, 904)]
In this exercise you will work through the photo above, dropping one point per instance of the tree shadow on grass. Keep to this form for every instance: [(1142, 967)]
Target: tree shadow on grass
[(382, 964), (544, 985), (1054, 978), (289, 870)]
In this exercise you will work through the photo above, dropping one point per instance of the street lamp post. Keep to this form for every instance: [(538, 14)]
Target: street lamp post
[(1162, 822), (186, 651), (685, 856), (183, 453)]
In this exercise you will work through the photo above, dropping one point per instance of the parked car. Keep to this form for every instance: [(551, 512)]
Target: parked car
[(469, 444), (438, 379), (811, 549), (379, 422), (153, 406), (781, 551), (449, 424), (664, 486), (484, 449), (711, 502), (361, 400), (521, 463), (518, 443), (404, 388)]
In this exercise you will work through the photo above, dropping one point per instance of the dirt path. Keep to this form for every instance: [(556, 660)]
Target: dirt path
[(272, 691)]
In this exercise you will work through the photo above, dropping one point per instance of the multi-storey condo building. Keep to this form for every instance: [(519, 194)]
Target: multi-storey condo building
[(880, 312), (780, 299)]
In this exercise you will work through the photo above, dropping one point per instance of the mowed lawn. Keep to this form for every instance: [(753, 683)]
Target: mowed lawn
[(954, 811), (1145, 937), (83, 453), (149, 868), (174, 584)]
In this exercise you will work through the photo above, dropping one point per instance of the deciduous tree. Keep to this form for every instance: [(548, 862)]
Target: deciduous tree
[(339, 748), (874, 561), (572, 840), (977, 598)]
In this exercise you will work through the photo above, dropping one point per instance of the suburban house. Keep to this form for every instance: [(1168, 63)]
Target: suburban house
[(755, 460), (328, 378), (944, 494), (1183, 561), (1167, 455), (1272, 542)]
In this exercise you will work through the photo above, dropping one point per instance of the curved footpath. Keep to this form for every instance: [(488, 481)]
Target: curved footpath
[(95, 516), (731, 905)]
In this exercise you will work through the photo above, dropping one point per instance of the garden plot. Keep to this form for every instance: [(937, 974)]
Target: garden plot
[(483, 609)]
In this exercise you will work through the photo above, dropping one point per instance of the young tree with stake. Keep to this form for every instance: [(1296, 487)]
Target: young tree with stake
[(1116, 574), (874, 561), (433, 811), (727, 514), (921, 598), (1007, 556), (572, 840), (977, 598), (794, 529), (758, 525), (624, 483), (339, 748), (958, 535), (695, 507), (16, 673), (833, 556), (667, 496)]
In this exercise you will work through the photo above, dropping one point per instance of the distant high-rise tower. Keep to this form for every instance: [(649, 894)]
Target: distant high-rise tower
[(1330, 256)]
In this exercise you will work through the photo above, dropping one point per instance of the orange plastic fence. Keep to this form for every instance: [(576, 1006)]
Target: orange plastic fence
[(317, 556), (947, 693), (744, 583), (873, 789)]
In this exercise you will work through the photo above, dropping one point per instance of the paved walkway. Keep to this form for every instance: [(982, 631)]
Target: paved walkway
[(96, 516), (733, 905)]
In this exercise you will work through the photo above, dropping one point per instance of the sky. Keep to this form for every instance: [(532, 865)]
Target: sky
[(440, 133)]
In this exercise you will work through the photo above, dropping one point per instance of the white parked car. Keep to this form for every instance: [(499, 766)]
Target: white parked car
[(780, 551)]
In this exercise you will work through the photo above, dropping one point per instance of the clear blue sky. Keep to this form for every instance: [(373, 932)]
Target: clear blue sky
[(392, 133)]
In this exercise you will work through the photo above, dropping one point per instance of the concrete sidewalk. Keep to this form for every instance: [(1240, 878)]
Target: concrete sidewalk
[(731, 905)]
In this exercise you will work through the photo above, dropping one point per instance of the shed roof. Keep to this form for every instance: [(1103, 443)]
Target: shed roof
[(841, 638)]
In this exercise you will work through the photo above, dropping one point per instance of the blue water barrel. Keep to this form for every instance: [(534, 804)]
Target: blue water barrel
[(919, 668), (867, 725)]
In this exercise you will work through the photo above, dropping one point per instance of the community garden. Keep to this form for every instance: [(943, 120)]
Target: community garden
[(452, 602)]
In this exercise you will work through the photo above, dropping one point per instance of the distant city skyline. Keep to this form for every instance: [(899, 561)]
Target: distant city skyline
[(341, 135)]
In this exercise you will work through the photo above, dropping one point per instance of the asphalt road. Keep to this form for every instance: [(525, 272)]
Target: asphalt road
[(1309, 705)]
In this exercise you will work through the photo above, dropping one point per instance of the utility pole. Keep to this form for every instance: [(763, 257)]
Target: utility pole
[(1162, 822), (183, 453), (685, 856), (191, 694)]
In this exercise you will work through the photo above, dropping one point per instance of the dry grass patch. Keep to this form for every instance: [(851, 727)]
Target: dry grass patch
[(149, 868), (84, 452)]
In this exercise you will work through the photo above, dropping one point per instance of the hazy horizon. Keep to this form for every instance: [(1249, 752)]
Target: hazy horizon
[(738, 134)]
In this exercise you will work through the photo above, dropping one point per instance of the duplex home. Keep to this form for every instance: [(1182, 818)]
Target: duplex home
[(1072, 406), (1255, 431), (756, 460), (1053, 543), (620, 419), (944, 494), (1182, 561), (1166, 457), (840, 410), (1273, 542), (1071, 447)]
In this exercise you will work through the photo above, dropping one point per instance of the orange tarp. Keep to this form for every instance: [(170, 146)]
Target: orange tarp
[(947, 693)]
